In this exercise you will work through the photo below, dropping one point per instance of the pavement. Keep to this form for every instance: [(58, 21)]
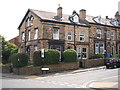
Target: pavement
[(13, 76)]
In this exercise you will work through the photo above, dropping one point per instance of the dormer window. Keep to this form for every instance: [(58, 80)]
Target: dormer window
[(114, 22), (76, 19), (97, 19)]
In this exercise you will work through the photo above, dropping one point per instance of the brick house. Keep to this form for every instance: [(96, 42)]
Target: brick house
[(41, 29), (14, 40)]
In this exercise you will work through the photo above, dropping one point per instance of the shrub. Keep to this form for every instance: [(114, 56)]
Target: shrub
[(52, 56), (37, 60), (23, 60), (69, 55), (96, 56)]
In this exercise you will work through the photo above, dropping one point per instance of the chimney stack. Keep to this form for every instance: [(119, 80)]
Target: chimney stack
[(82, 14), (59, 11)]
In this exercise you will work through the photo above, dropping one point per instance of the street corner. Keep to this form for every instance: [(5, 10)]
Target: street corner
[(103, 85)]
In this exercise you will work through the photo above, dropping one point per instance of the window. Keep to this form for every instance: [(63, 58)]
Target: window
[(119, 50), (23, 36), (112, 50), (99, 48), (75, 18), (30, 21), (108, 34), (96, 48), (35, 47), (56, 34), (98, 32), (82, 52), (112, 34), (29, 35), (82, 36), (69, 35), (108, 49), (36, 33)]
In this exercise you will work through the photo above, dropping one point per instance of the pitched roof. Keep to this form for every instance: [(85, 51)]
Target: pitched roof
[(51, 17), (91, 19)]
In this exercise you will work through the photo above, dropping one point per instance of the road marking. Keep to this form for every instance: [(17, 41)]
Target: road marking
[(103, 84), (110, 77)]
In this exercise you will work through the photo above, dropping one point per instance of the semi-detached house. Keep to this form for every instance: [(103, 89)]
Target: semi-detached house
[(91, 35)]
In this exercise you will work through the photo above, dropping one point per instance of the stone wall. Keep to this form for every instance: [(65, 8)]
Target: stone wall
[(92, 63), (30, 70), (5, 69)]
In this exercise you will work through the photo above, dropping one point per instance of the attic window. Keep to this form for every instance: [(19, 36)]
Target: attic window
[(30, 21)]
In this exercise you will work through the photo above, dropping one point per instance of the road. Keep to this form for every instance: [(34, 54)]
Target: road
[(106, 78)]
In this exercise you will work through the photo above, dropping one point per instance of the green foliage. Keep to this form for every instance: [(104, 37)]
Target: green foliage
[(69, 55), (7, 49), (52, 56), (97, 56), (116, 55), (37, 60), (22, 57)]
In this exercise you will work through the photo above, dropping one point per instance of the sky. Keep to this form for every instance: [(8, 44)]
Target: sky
[(13, 11)]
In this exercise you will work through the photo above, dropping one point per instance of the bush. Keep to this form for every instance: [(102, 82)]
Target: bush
[(52, 56), (23, 60), (69, 55), (96, 56), (37, 60)]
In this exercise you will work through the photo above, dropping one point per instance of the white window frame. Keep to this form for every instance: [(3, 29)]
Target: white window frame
[(99, 32), (29, 34), (113, 35), (98, 48), (101, 48), (80, 52), (69, 36), (23, 36), (76, 18), (108, 35), (31, 20), (36, 33), (35, 47), (56, 36), (82, 35)]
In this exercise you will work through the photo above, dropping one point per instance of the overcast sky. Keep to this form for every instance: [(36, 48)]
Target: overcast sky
[(13, 11)]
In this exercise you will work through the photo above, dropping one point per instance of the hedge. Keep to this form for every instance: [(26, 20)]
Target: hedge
[(23, 60), (37, 60), (69, 55), (52, 56)]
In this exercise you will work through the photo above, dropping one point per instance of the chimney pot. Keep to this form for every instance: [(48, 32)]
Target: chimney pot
[(59, 12), (82, 14)]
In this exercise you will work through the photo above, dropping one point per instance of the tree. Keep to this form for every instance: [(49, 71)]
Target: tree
[(7, 49)]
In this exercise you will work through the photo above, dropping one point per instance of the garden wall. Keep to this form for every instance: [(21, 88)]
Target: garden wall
[(92, 63), (52, 68)]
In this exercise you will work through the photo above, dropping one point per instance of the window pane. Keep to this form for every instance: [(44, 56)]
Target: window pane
[(56, 34), (69, 32)]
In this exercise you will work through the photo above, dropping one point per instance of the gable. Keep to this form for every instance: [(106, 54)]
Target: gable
[(29, 14)]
